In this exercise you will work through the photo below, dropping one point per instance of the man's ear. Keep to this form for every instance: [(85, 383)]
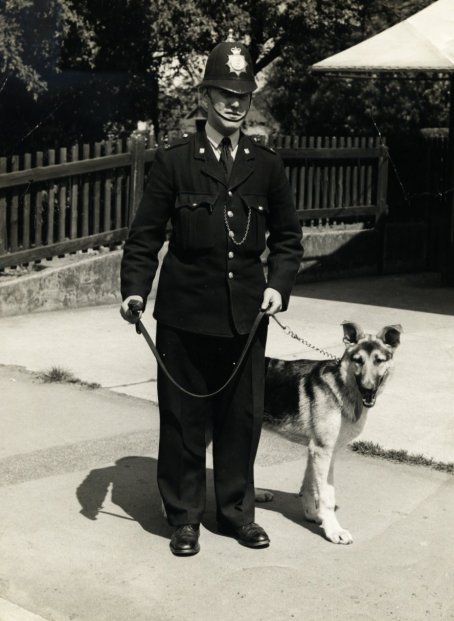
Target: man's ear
[(352, 332)]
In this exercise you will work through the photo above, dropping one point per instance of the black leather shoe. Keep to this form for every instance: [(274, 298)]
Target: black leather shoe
[(250, 535), (185, 540)]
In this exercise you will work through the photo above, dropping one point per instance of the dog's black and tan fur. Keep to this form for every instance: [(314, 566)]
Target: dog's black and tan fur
[(324, 404)]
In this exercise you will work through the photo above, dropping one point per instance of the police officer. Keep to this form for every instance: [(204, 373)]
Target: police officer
[(222, 193)]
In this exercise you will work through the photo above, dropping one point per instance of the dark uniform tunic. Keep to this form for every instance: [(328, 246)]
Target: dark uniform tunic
[(210, 288)]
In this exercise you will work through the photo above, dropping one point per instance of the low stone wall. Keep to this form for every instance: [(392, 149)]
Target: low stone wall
[(337, 254), (347, 253), (85, 282)]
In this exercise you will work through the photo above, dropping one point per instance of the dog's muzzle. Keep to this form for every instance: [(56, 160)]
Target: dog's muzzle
[(368, 397)]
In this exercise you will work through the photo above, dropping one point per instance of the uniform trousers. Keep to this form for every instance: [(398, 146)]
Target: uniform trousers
[(202, 364)]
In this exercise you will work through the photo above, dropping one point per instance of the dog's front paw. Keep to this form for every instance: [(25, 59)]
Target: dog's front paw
[(263, 495), (339, 535)]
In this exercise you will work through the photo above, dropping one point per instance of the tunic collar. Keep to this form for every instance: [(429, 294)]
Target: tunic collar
[(215, 137)]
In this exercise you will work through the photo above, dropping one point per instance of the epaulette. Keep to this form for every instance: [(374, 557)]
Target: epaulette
[(178, 143), (259, 143)]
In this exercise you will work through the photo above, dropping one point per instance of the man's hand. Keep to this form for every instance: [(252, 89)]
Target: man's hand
[(126, 312), (272, 301)]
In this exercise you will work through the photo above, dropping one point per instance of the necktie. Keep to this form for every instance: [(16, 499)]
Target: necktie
[(226, 158)]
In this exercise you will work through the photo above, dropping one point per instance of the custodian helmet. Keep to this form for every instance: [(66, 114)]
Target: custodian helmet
[(229, 66)]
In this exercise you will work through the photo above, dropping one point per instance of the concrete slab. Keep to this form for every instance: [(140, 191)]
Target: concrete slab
[(113, 563), (45, 417), (11, 612)]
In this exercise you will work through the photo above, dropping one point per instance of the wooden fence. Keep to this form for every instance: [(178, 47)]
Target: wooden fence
[(64, 201), (58, 202), (336, 179)]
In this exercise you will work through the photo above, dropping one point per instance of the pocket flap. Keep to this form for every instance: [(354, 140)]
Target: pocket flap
[(257, 202), (195, 200)]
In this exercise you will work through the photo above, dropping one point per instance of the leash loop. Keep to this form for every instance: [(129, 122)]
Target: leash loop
[(293, 335), (140, 329)]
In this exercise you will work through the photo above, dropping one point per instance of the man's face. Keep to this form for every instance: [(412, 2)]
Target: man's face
[(226, 110)]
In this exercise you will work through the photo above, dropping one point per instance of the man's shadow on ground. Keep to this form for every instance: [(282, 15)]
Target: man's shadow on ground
[(132, 481)]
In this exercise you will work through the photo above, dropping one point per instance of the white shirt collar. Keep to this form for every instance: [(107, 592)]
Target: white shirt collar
[(215, 137)]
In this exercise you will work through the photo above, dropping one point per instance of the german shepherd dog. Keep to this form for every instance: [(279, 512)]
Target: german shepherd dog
[(324, 404)]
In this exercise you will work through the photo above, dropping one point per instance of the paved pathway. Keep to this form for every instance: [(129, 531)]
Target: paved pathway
[(65, 451), (72, 450)]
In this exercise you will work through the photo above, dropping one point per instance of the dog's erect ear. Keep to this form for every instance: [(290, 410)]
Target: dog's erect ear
[(391, 335), (352, 332)]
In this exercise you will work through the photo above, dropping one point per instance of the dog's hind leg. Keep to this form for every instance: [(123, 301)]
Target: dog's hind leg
[(318, 495), (309, 492)]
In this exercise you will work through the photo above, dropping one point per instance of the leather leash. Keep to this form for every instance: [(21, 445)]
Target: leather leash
[(140, 329)]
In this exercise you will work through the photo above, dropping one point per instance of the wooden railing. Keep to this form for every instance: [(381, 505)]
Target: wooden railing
[(64, 201), (58, 202), (336, 179)]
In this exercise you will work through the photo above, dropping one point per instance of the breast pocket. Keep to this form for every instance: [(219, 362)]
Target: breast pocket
[(193, 221), (258, 204)]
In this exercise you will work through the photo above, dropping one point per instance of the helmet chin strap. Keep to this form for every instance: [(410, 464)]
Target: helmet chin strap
[(225, 118)]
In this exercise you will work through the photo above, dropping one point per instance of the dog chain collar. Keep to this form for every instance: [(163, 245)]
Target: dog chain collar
[(293, 335), (231, 233)]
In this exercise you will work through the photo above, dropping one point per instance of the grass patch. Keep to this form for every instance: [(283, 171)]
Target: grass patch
[(58, 375), (402, 456)]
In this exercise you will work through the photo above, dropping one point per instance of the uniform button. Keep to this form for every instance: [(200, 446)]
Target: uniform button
[(195, 205), (230, 193), (230, 214), (231, 255), (260, 208), (231, 234), (230, 275)]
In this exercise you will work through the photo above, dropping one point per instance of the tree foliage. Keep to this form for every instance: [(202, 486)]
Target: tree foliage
[(308, 103), (269, 27), (285, 38), (32, 33), (32, 36), (75, 70)]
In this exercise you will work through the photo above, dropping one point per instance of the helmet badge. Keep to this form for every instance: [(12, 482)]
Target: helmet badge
[(237, 62)]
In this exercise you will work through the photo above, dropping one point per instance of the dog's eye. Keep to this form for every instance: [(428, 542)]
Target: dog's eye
[(357, 359), (380, 360)]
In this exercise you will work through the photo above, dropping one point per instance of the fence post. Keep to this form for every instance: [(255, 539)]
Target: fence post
[(382, 187), (382, 180), (3, 240), (447, 270), (137, 172)]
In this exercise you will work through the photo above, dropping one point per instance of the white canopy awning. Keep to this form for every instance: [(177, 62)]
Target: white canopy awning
[(422, 43)]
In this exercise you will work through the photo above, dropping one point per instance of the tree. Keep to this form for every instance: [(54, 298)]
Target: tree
[(32, 34), (310, 104), (269, 27), (73, 71)]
